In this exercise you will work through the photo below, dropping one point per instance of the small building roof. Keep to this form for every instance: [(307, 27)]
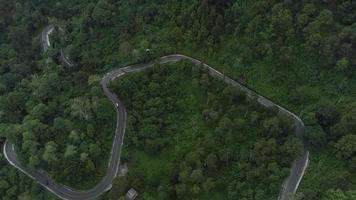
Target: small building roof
[(131, 194)]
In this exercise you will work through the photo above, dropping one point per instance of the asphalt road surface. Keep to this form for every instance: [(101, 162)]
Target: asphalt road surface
[(46, 44), (65, 59), (289, 186), (45, 37)]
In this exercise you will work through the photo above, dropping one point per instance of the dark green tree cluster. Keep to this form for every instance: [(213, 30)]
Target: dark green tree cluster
[(20, 23), (217, 142), (340, 131), (58, 120), (339, 195), (333, 128), (62, 122)]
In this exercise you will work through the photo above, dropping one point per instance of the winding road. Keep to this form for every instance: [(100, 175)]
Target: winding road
[(289, 186), (45, 37), (46, 44)]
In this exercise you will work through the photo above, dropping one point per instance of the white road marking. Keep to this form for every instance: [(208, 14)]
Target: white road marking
[(304, 169), (47, 36)]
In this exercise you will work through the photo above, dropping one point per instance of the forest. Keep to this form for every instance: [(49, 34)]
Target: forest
[(299, 54), (192, 136)]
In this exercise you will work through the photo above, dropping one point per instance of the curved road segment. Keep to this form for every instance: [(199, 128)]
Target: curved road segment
[(289, 186), (45, 37), (46, 44)]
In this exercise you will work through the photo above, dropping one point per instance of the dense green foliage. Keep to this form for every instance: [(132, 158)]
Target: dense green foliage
[(192, 136), (58, 119), (19, 55), (301, 54)]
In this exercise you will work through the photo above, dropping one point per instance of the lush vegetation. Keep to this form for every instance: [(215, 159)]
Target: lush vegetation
[(192, 136), (301, 54), (58, 118)]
